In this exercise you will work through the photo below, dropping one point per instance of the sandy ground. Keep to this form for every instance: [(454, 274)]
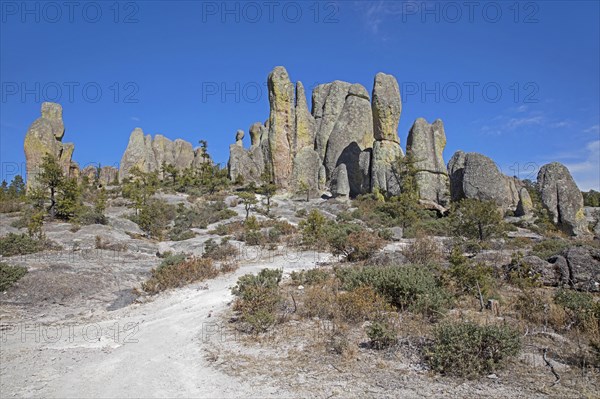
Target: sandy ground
[(154, 349)]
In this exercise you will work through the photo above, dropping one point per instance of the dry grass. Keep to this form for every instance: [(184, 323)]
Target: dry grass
[(179, 274)]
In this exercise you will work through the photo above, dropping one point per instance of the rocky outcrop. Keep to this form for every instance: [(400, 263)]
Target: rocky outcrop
[(579, 267), (340, 186), (44, 136), (525, 205), (149, 154), (303, 147), (384, 174), (108, 175), (351, 134), (386, 108), (561, 196), (328, 102), (425, 144), (282, 125), (473, 175)]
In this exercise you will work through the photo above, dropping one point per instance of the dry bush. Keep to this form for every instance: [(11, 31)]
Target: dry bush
[(320, 301), (229, 266), (178, 274), (222, 251), (362, 303), (423, 251)]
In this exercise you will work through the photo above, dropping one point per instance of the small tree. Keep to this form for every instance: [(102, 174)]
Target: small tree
[(16, 189), (170, 171), (248, 199), (100, 202), (68, 199), (407, 202), (140, 187), (474, 219), (304, 188), (313, 228), (51, 177), (268, 190), (34, 225)]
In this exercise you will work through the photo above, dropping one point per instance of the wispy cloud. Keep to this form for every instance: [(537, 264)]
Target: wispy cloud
[(586, 167), (520, 118), (592, 129), (135, 118)]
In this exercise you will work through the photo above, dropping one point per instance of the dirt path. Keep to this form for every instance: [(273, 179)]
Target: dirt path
[(156, 353)]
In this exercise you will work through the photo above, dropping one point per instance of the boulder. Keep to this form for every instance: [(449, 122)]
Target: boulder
[(561, 196), (328, 102), (306, 171), (353, 131), (340, 187), (44, 137), (579, 267), (592, 216), (525, 205), (386, 107), (257, 132), (384, 175), (548, 274), (282, 123), (474, 175), (426, 143)]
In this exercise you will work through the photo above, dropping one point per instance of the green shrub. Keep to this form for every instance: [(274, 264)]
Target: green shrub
[(581, 308), (478, 220), (381, 334), (10, 275), (310, 276), (423, 251), (353, 242), (88, 215), (20, 244), (470, 350), (411, 288), (468, 278), (313, 229), (222, 251), (548, 248), (174, 272), (258, 299)]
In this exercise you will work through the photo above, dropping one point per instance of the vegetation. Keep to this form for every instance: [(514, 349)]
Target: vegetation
[(411, 288), (478, 220), (20, 244), (469, 350), (177, 271), (258, 298), (10, 275), (12, 196), (591, 198)]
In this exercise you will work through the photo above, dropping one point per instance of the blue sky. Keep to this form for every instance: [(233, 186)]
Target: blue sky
[(517, 81)]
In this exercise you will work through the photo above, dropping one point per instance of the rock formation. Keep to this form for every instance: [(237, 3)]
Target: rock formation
[(562, 198), (149, 154), (473, 175), (44, 136), (282, 125), (525, 205), (386, 109), (579, 267), (426, 145)]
